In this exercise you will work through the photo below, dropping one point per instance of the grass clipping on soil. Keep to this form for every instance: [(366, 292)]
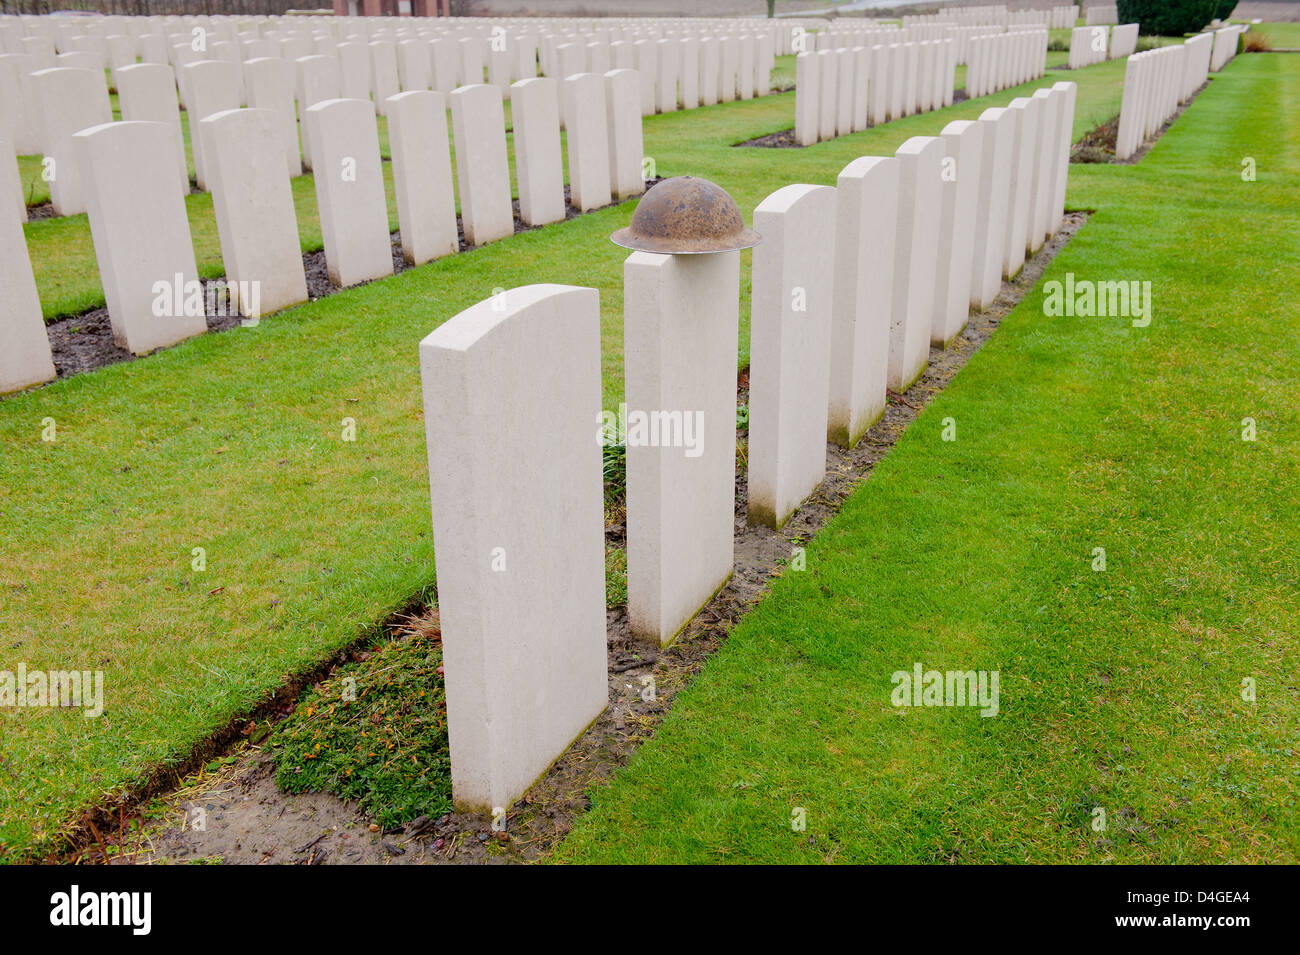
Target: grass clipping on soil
[(375, 733)]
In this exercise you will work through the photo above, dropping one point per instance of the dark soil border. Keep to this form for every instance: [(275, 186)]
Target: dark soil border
[(545, 814)]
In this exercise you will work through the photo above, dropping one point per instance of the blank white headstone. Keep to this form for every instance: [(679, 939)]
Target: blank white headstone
[(866, 222), (426, 202), (147, 93), (24, 346), (349, 178), (70, 100), (587, 141), (518, 530), (680, 498), (253, 203), (141, 233), (482, 170), (916, 258), (790, 349), (539, 168), (963, 143), (623, 122)]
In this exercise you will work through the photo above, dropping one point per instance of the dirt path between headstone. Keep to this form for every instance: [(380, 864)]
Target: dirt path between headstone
[(248, 820)]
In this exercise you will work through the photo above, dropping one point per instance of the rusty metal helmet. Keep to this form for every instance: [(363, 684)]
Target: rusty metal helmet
[(686, 215)]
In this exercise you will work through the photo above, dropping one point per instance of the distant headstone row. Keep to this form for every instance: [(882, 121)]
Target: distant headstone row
[(852, 285), (130, 181), (1101, 15), (997, 61), (1054, 18), (681, 62), (851, 33), (838, 92), (1096, 44), (1226, 40), (1157, 81), (842, 91)]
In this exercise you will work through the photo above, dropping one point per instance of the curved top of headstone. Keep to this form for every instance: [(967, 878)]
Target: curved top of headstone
[(686, 215)]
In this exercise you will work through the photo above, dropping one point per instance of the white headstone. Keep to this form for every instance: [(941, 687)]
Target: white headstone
[(349, 178), (915, 258), (587, 141), (213, 87), (24, 346), (70, 100), (318, 80), (269, 85), (960, 178), (426, 202), (993, 208), (253, 203), (681, 325), (141, 232), (515, 484), (482, 170), (147, 93), (539, 168), (866, 222), (623, 122), (790, 349)]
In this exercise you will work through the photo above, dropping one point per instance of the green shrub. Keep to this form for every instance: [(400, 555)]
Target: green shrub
[(1168, 17), (1223, 9)]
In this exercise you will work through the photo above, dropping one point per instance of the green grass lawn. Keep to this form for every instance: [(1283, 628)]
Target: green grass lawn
[(231, 442), (1119, 689), (1281, 36)]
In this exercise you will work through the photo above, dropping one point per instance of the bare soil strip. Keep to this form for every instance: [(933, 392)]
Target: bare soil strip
[(250, 821)]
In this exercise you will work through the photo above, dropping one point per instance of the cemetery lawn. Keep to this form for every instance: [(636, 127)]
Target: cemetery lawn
[(1120, 690), (232, 442)]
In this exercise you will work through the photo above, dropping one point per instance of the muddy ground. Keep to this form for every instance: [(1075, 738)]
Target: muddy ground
[(248, 820)]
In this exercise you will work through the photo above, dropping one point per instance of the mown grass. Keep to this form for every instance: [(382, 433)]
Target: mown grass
[(1121, 689), (1281, 36), (233, 442)]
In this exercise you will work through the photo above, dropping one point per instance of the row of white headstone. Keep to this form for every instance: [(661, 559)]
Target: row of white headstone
[(1155, 83), (672, 72), (426, 54), (997, 61), (839, 314), (1226, 41), (1096, 44), (133, 190), (1101, 15), (838, 92), (64, 31), (838, 37), (1053, 18)]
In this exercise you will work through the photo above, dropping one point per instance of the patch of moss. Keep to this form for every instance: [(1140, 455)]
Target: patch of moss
[(374, 732)]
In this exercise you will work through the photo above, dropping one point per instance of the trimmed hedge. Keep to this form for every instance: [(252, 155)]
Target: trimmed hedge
[(1169, 17)]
